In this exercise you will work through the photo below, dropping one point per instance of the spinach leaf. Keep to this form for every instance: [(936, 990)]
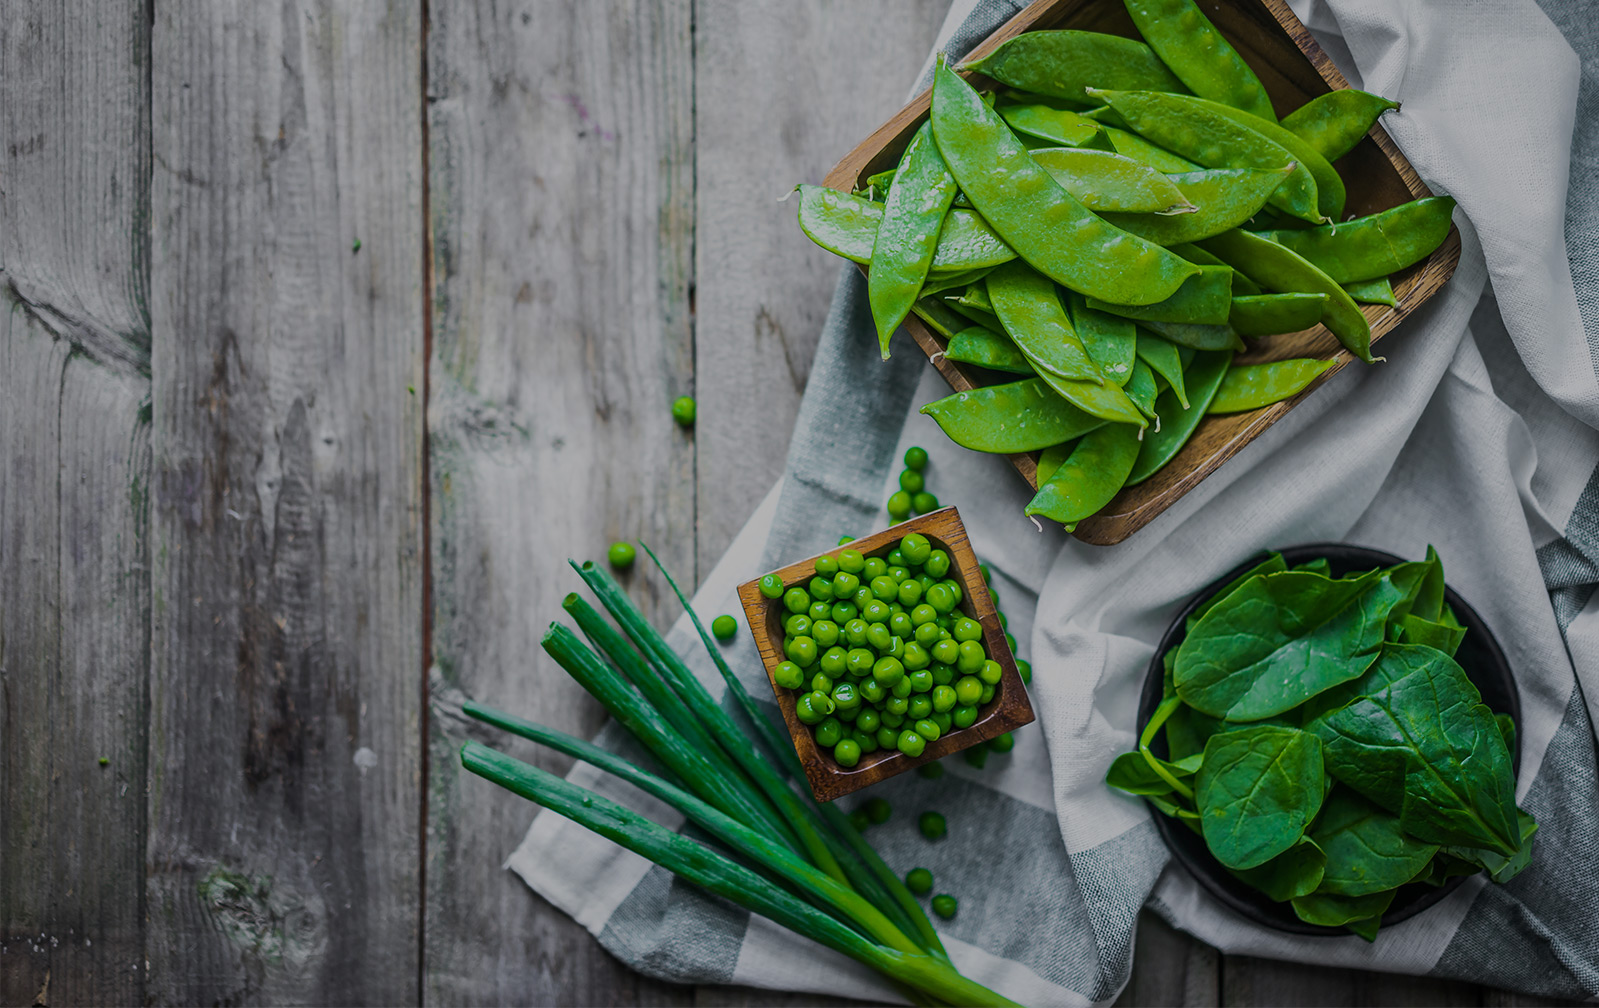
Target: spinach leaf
[(1366, 927), (1133, 773), (1418, 741), (1366, 851), (1429, 601), (1412, 629), (1507, 728), (1446, 866), (1339, 911), (1281, 639), (1499, 867), (1297, 871), (1273, 564), (1256, 791), (1316, 566)]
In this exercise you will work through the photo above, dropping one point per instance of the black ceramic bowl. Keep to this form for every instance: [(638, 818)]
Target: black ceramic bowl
[(1480, 657)]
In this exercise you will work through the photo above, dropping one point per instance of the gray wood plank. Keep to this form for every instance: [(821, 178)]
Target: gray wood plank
[(1171, 968), (782, 91), (561, 173), (287, 536), (74, 469), (1250, 981)]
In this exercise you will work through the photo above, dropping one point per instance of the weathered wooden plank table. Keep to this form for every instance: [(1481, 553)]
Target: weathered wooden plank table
[(330, 329)]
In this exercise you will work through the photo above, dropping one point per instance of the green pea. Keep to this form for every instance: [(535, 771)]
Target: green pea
[(968, 689), (991, 673), (821, 588), (942, 719), (868, 720), (923, 613), (893, 711), (846, 225), (844, 584), (946, 652), (858, 820), (863, 596), (846, 696), (940, 598), (927, 634), (971, 657), (911, 481), (887, 736), (919, 706), (1095, 471), (724, 627), (879, 636), (875, 567), (1204, 378), (920, 880), (812, 708), (859, 661), (819, 610), (1025, 670), (888, 671), (927, 729), (846, 714), (683, 410), (896, 647), (866, 740), (771, 585), (855, 632), (900, 624), (885, 587), (828, 731), (850, 561), (1203, 131), (964, 716), (847, 752), (937, 563), (873, 692), (1225, 197), (907, 235), (943, 674), (826, 633), (967, 629), (1026, 207), (1373, 246), (916, 659), (1277, 268), (899, 505), (843, 612), (1335, 122), (1030, 308), (878, 810), (796, 600), (797, 625), (821, 682), (916, 458), (1252, 386), (921, 680), (1002, 743), (910, 743), (985, 696), (845, 539), (621, 555), (833, 662), (826, 566), (1009, 418), (931, 771), (932, 825), (943, 698), (976, 756), (801, 651), (1010, 642), (945, 905), (788, 675)]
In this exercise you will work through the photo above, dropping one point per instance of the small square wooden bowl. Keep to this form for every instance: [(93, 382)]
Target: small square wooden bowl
[(1008, 710), (1294, 69)]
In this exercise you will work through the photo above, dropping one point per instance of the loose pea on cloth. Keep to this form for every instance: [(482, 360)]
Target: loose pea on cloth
[(1479, 435)]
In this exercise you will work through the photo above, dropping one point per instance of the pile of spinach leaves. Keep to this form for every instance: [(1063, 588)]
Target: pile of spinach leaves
[(1322, 739)]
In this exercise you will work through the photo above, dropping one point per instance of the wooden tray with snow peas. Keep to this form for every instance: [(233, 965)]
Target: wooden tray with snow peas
[(968, 273)]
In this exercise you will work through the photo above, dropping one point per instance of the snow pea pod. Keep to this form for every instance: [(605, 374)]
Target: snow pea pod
[(1050, 459), (1136, 147), (1015, 417), (846, 225), (1034, 317), (1055, 125), (1186, 41), (1143, 389), (1163, 358), (938, 317), (1110, 340), (1203, 299), (976, 296), (1334, 122), (1192, 128), (1251, 386), (1199, 257), (1061, 64), (1103, 180), (1378, 291), (1270, 314), (1178, 424), (1376, 245), (1196, 336), (1329, 185), (937, 282), (1277, 268), (1045, 224), (1225, 197), (907, 237), (1091, 475), (985, 348)]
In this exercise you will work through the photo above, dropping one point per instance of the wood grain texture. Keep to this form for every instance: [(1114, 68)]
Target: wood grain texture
[(1171, 968), (1250, 981), (285, 751), (74, 472), (561, 192), (780, 88)]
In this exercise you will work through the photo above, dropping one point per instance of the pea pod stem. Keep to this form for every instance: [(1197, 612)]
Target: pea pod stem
[(841, 900), (712, 871), (1162, 713), (866, 870)]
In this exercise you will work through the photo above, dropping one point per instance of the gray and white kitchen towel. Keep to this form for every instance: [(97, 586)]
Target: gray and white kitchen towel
[(1480, 435)]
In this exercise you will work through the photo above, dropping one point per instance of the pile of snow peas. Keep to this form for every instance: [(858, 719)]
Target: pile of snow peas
[(1104, 229)]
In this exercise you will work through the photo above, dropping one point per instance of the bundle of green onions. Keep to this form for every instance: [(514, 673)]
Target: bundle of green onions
[(779, 853)]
